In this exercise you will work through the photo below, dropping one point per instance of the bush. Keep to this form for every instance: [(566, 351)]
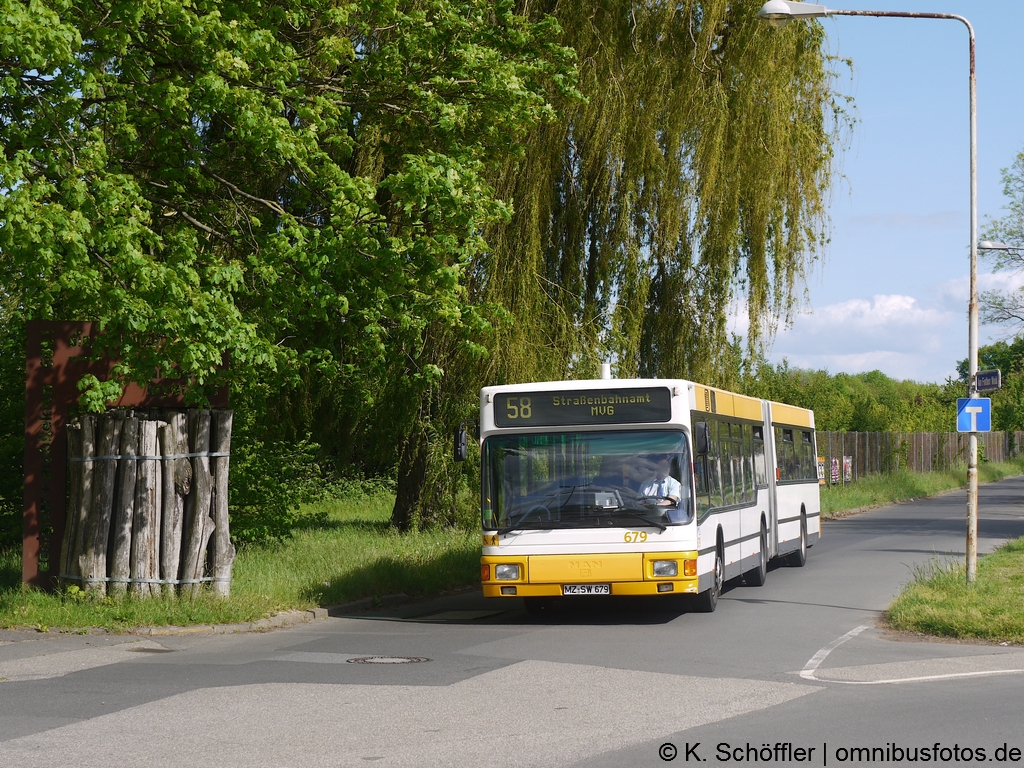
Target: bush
[(270, 481)]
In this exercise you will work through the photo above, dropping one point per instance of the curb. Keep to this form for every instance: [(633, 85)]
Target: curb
[(277, 621), (367, 604)]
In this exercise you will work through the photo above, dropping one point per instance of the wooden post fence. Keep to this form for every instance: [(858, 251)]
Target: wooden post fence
[(872, 453)]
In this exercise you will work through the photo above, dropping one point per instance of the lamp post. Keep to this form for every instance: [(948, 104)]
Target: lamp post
[(780, 12)]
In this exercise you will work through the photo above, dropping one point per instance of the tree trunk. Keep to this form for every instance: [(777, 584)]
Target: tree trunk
[(412, 473), (223, 556), (124, 510)]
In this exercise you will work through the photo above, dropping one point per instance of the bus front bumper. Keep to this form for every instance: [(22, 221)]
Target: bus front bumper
[(632, 573)]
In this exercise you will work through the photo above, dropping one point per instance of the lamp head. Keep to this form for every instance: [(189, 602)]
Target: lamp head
[(776, 12)]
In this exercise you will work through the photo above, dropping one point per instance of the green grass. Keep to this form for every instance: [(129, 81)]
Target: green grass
[(348, 554), (877, 490), (939, 602)]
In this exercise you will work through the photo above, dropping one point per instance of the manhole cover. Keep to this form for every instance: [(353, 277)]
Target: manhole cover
[(387, 660)]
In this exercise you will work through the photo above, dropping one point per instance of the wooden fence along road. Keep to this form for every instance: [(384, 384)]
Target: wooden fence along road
[(850, 455)]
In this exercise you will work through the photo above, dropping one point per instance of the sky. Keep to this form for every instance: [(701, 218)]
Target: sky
[(892, 290)]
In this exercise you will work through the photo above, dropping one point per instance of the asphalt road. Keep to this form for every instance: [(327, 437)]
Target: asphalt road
[(796, 670)]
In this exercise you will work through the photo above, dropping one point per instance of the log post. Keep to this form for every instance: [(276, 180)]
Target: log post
[(78, 514), (94, 557), (175, 485), (198, 525), (223, 555), (67, 567), (124, 508), (145, 538)]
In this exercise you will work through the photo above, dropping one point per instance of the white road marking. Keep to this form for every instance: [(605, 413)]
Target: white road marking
[(950, 676), (807, 673), (810, 669)]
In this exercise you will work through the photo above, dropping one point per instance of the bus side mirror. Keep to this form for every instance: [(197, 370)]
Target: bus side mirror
[(461, 443), (701, 437)]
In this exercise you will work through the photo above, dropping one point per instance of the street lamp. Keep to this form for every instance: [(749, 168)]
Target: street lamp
[(991, 245), (780, 12)]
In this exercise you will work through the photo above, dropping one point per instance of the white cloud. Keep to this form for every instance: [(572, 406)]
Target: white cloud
[(891, 333)]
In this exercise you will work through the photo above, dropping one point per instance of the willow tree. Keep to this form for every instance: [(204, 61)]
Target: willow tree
[(692, 179)]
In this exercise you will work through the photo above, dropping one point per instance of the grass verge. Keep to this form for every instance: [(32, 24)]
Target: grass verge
[(349, 553), (938, 600), (877, 490)]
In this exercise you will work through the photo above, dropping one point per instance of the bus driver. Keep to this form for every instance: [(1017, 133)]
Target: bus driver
[(663, 487)]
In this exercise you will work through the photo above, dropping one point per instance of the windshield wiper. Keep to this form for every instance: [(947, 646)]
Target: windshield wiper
[(641, 516)]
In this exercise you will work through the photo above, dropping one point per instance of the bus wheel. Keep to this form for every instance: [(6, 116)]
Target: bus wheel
[(707, 601), (799, 557), (538, 607), (757, 576)]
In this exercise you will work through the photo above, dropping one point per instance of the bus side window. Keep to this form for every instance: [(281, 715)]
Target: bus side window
[(715, 465), (735, 464), (748, 466), (786, 452), (700, 475), (808, 461), (760, 467)]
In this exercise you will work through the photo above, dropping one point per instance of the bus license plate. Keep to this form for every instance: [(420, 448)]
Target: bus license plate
[(586, 589)]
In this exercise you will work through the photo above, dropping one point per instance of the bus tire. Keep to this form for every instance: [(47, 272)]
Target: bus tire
[(799, 557), (757, 576), (707, 601)]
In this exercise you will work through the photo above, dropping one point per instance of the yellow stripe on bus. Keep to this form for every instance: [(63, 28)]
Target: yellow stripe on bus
[(789, 414), (727, 403)]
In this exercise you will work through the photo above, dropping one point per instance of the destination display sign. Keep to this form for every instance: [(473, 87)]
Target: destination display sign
[(565, 408)]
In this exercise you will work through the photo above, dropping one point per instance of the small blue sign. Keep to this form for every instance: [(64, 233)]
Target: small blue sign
[(974, 414)]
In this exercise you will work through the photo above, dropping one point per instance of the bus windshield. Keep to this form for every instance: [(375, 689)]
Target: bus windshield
[(586, 480)]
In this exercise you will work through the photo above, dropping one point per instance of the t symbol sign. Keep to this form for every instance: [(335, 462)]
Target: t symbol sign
[(973, 414)]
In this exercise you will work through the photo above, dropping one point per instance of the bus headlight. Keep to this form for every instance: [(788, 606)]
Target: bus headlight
[(506, 572), (666, 568)]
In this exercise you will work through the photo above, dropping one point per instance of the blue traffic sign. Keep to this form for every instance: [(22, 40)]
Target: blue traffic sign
[(973, 414)]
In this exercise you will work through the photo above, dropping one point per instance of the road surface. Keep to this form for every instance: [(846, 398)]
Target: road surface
[(796, 672)]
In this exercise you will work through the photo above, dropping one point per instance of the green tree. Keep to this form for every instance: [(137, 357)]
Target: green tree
[(296, 188), (863, 402), (1007, 402), (1007, 307)]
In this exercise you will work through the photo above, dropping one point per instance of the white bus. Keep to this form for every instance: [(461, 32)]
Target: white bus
[(639, 487)]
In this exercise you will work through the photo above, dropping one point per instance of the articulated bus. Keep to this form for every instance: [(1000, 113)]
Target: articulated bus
[(640, 487)]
